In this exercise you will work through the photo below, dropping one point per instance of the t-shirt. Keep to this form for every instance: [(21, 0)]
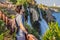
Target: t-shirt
[(18, 20)]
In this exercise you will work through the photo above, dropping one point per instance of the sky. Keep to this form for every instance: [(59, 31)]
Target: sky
[(49, 2)]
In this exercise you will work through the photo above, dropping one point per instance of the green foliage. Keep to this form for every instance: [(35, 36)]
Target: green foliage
[(8, 35), (5, 33), (1, 23), (14, 1), (53, 33), (1, 36), (25, 7), (2, 28), (20, 2), (12, 16)]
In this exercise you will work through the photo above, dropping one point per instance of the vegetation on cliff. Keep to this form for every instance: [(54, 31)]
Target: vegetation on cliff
[(53, 33)]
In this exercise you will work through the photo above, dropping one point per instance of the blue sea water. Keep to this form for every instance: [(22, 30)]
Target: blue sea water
[(57, 17)]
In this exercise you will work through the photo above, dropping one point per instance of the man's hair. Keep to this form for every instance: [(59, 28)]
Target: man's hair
[(18, 8)]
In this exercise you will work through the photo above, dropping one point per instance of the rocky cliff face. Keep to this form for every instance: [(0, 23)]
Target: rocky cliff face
[(34, 13), (49, 17)]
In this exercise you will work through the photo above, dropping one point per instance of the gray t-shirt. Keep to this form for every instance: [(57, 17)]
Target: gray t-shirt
[(18, 20)]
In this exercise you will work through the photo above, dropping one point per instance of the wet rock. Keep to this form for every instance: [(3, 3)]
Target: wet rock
[(49, 17), (34, 19), (34, 13)]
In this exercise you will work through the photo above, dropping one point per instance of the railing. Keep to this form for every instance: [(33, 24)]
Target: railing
[(7, 5), (4, 18)]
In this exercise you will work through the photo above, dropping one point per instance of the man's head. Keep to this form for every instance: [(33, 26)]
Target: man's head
[(19, 9)]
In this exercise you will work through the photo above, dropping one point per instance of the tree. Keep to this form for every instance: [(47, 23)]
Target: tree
[(53, 33), (14, 1), (20, 2)]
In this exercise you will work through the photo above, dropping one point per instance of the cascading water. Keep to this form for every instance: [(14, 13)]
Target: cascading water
[(43, 24), (29, 22)]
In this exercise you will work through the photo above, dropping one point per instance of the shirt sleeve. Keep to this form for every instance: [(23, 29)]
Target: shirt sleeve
[(19, 19)]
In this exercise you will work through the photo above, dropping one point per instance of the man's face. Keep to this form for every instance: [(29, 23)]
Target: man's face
[(23, 9)]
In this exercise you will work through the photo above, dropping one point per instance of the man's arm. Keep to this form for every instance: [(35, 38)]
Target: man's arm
[(20, 23), (22, 27)]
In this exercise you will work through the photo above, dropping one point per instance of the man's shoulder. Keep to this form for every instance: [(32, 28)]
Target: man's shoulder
[(18, 15)]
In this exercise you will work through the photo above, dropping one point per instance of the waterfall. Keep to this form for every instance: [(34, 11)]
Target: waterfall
[(43, 24), (29, 22)]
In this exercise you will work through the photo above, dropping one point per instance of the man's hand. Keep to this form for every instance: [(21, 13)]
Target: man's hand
[(26, 32)]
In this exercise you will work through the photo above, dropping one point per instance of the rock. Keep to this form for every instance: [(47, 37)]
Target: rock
[(34, 13), (49, 16)]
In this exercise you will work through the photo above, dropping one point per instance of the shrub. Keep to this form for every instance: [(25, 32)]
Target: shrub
[(2, 28), (53, 33)]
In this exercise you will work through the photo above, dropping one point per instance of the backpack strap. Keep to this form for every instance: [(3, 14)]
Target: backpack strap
[(16, 26), (16, 22)]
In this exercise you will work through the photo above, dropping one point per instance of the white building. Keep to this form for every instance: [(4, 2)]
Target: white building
[(54, 4)]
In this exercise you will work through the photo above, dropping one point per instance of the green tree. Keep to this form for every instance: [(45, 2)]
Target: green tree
[(2, 28), (14, 1), (20, 2), (53, 33)]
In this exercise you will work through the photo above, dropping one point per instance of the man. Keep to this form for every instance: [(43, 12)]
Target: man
[(21, 31), (19, 23)]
